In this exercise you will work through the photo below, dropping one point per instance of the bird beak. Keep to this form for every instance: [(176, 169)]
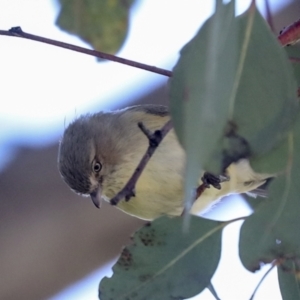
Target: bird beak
[(96, 197)]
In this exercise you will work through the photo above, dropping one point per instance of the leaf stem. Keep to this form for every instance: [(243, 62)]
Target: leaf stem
[(213, 291), (261, 280), (236, 220)]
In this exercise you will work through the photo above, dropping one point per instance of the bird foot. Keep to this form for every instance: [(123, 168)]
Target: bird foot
[(209, 179)]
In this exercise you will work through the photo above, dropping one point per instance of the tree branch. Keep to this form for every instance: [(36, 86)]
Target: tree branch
[(18, 32), (208, 180), (290, 35), (154, 140)]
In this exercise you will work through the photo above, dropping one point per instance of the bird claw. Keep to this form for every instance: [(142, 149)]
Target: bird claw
[(209, 179)]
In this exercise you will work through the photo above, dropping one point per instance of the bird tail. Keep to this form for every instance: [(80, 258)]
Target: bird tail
[(262, 190)]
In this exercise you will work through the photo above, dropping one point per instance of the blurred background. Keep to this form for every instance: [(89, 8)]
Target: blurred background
[(54, 244)]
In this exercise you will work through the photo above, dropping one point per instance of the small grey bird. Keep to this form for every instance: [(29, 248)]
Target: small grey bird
[(98, 153)]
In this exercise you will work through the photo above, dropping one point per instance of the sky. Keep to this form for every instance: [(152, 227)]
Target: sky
[(44, 87)]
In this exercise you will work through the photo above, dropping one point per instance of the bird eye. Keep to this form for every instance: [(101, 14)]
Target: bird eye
[(97, 167)]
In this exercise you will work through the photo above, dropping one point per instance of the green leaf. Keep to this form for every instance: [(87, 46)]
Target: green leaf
[(102, 24), (233, 93), (293, 52), (266, 103), (166, 263), (200, 90), (272, 232), (289, 281), (274, 161)]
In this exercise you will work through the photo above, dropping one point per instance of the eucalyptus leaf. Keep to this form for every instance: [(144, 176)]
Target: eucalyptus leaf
[(200, 90), (293, 52), (102, 24), (164, 262), (289, 281), (274, 161), (233, 93), (272, 232), (266, 103)]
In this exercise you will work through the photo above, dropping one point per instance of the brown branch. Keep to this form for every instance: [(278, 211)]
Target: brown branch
[(290, 35), (208, 180), (154, 140), (199, 191), (18, 32)]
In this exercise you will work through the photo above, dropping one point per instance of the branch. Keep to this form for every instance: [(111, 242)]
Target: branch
[(208, 180), (18, 32), (154, 140), (290, 35)]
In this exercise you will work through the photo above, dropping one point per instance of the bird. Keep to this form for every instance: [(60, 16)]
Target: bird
[(99, 152)]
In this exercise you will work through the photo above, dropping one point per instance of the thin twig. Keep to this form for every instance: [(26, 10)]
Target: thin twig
[(145, 130), (154, 140), (200, 189), (18, 32), (208, 180), (262, 279)]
